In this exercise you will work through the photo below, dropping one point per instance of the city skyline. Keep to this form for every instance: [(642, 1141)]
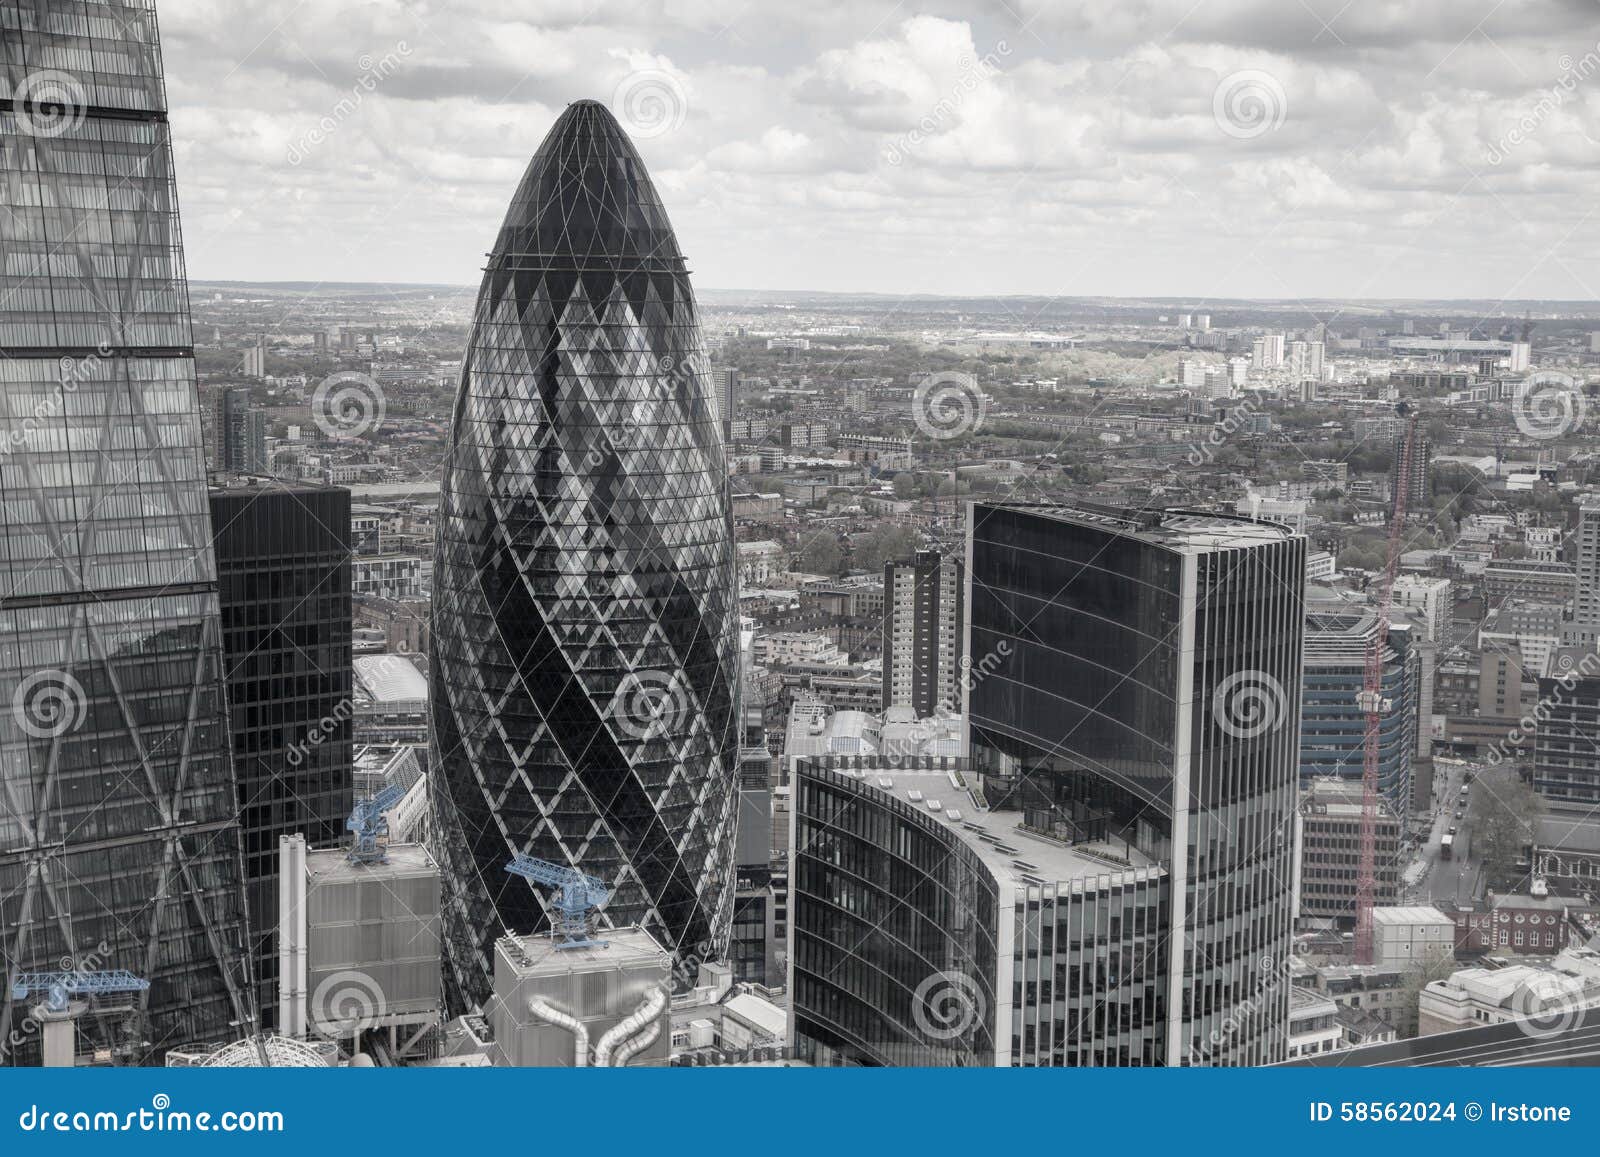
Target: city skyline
[(1432, 151), (575, 670)]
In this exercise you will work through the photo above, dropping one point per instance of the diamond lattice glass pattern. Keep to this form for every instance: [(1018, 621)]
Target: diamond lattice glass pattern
[(585, 616)]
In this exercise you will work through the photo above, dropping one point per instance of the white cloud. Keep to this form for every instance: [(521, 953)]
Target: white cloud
[(825, 146)]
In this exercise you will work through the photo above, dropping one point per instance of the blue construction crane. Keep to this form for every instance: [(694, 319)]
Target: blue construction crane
[(60, 987), (368, 824), (576, 896)]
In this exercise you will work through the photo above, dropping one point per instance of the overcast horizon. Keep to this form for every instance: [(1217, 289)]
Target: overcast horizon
[(1231, 149)]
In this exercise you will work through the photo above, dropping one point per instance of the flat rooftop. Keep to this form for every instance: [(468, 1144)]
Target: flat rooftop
[(1416, 914), (1571, 664), (332, 865), (229, 482), (1567, 831), (1304, 1000), (539, 954), (1182, 530), (1006, 849)]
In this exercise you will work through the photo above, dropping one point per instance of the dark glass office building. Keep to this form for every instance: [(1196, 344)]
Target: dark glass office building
[(585, 651), (283, 564), (1145, 686), (119, 838), (1109, 879)]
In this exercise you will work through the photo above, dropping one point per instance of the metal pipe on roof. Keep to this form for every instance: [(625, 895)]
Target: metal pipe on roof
[(638, 1044), (539, 1006), (649, 1008)]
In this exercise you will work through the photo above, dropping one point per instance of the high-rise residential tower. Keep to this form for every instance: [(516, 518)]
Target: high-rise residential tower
[(255, 358), (585, 647), (922, 599), (1586, 554), (725, 391), (239, 434), (119, 838), (1418, 472)]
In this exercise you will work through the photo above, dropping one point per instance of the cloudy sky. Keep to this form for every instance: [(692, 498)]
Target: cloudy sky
[(1197, 148)]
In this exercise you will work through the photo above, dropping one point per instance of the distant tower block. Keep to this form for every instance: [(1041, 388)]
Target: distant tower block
[(561, 1006)]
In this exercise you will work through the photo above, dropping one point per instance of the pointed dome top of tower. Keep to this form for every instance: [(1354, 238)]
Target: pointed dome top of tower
[(586, 200)]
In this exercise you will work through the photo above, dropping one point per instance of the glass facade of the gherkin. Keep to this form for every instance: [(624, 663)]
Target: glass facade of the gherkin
[(585, 646), (119, 838)]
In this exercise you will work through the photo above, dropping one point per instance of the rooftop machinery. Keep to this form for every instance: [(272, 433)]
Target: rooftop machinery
[(575, 896), (369, 825), (67, 996)]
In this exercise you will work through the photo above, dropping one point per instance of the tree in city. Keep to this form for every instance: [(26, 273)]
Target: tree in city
[(1501, 821), (822, 554), (871, 550), (1435, 964)]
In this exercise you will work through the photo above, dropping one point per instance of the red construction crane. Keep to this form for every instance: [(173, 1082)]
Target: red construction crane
[(1371, 699)]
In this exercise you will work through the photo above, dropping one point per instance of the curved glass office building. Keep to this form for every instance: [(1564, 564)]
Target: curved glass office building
[(585, 648), (931, 929), (1108, 880), (119, 830)]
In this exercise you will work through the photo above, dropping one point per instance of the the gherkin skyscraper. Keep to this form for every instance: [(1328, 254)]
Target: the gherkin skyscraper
[(585, 631)]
